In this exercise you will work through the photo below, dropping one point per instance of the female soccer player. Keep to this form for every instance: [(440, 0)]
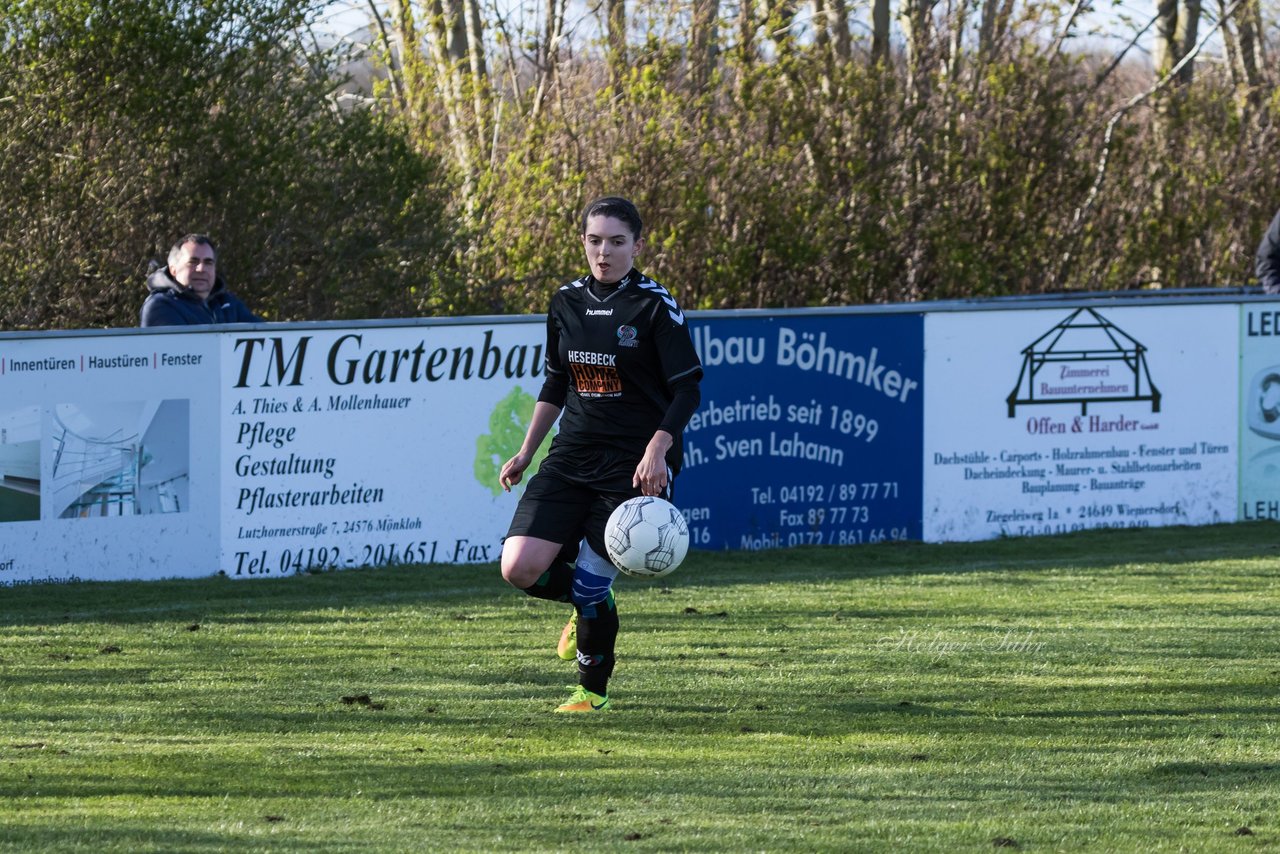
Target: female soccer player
[(622, 367)]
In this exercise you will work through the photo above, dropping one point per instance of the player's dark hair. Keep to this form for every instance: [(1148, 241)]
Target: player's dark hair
[(198, 239), (618, 208)]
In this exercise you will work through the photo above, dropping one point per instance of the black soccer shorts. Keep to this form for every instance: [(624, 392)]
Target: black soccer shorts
[(573, 494)]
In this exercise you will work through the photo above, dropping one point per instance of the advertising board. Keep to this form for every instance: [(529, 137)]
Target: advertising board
[(1064, 419), (108, 458), (369, 447), (262, 451), (1259, 412), (808, 434)]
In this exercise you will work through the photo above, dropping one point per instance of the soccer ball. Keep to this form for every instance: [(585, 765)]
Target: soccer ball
[(646, 537)]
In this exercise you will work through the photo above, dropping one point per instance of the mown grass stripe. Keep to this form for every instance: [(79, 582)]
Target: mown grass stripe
[(1109, 690)]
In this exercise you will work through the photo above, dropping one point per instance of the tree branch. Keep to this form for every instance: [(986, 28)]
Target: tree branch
[(1082, 212)]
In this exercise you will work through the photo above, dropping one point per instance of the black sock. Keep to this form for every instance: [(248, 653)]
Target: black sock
[(597, 634), (555, 584)]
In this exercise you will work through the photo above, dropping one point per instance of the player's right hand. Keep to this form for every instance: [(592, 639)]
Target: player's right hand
[(513, 471)]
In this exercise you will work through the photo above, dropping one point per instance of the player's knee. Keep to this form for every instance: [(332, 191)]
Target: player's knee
[(519, 569), (518, 574)]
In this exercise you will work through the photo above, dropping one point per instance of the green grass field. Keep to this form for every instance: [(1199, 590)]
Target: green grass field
[(1108, 691)]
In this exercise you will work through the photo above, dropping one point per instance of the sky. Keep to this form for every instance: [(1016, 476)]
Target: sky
[(1108, 27)]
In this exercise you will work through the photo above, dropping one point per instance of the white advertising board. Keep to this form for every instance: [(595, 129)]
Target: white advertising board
[(1260, 412), (262, 451), (108, 458), (1055, 420), (259, 453), (371, 446)]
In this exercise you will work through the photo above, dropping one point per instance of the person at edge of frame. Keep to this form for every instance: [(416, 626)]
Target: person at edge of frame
[(622, 368), (1267, 261), (189, 290)]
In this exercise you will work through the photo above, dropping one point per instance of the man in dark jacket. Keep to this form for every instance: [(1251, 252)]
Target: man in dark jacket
[(190, 290), (1267, 265)]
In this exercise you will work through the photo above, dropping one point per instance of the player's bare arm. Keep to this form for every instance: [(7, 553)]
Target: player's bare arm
[(544, 416)]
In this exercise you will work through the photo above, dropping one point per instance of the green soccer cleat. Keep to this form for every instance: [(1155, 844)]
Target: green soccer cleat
[(568, 646), (583, 700)]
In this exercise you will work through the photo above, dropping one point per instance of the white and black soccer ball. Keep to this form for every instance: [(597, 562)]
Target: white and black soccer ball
[(646, 537)]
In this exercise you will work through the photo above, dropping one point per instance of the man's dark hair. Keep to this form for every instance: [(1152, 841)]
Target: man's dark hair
[(618, 208), (198, 239)]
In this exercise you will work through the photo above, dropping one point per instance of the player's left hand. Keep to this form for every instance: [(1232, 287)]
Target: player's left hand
[(651, 474)]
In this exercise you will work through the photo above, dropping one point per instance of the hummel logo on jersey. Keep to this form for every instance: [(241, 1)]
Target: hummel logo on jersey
[(593, 312)]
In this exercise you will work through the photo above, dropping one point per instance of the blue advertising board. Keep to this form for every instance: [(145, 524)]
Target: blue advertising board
[(810, 431)]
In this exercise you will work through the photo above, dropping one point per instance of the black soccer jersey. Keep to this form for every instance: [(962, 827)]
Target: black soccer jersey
[(620, 348)]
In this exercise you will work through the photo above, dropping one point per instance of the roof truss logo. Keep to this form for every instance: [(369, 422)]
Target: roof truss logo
[(1085, 359)]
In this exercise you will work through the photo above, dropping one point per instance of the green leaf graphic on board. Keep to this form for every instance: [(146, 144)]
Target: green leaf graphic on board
[(507, 425)]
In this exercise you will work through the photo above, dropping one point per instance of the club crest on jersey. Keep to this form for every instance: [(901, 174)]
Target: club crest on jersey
[(627, 336)]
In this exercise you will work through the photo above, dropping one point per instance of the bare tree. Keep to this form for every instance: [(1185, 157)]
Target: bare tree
[(478, 81), (1177, 26), (703, 42), (616, 26), (448, 38), (748, 24), (1186, 36), (880, 18), (548, 53), (831, 28), (993, 25), (1241, 36), (916, 19)]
